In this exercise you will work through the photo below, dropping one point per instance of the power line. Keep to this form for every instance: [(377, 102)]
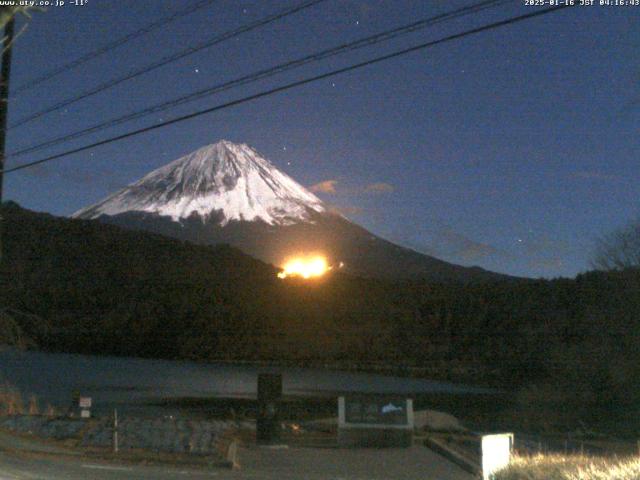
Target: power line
[(168, 59), (111, 46), (266, 73), (422, 46)]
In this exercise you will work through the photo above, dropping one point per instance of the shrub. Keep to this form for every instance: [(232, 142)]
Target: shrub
[(33, 405), (10, 401)]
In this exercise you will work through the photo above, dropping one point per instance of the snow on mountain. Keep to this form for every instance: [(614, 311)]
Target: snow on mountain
[(226, 193), (227, 178)]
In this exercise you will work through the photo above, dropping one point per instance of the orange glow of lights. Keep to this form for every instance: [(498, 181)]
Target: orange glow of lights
[(305, 267)]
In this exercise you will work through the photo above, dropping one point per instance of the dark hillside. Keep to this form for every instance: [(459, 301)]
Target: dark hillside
[(571, 347)]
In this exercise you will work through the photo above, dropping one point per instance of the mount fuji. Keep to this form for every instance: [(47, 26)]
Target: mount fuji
[(228, 193)]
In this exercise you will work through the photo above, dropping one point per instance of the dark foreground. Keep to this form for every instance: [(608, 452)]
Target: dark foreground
[(255, 463)]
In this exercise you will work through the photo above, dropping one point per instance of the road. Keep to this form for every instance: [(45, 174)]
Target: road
[(256, 463), (14, 467)]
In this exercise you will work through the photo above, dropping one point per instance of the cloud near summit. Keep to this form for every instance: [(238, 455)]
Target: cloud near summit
[(380, 187), (328, 186)]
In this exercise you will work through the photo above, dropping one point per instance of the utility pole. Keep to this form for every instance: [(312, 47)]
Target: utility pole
[(5, 70)]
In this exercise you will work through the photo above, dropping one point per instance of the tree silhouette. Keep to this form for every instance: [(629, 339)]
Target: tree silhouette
[(620, 250)]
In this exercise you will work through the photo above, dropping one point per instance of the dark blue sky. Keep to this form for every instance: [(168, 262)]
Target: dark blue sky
[(512, 149)]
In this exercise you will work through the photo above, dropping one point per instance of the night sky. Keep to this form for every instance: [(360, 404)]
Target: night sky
[(512, 149)]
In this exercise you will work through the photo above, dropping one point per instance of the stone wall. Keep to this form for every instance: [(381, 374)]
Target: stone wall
[(161, 435)]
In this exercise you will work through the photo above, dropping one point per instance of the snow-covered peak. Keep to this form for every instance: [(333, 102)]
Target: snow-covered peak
[(224, 177)]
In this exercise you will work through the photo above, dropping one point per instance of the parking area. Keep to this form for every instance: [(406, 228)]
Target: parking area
[(416, 462)]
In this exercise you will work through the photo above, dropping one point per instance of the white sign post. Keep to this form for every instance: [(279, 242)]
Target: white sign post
[(496, 453), (85, 405)]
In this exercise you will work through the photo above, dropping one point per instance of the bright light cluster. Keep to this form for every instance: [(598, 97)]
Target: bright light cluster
[(305, 267)]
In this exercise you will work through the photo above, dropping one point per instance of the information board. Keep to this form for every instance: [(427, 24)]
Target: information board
[(376, 410), (375, 420)]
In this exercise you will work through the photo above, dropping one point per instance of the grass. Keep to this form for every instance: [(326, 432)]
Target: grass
[(570, 467)]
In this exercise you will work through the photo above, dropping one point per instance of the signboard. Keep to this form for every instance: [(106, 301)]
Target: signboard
[(85, 413), (376, 410), (375, 420), (84, 402), (496, 453)]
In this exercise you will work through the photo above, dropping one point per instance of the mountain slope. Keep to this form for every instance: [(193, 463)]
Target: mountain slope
[(230, 179), (228, 193)]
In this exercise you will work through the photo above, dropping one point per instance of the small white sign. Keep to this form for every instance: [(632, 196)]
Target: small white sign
[(496, 453), (84, 402), (85, 413)]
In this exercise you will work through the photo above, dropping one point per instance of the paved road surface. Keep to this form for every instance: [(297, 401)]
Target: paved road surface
[(256, 463), (21, 468), (413, 463)]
